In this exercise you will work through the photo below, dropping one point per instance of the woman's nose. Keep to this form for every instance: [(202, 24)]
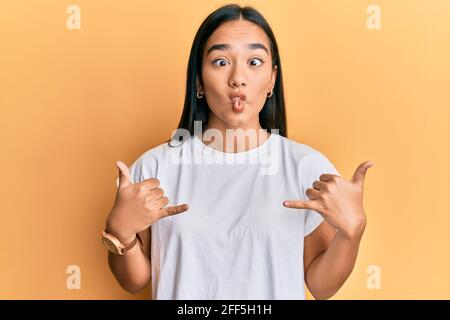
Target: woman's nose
[(238, 83), (237, 78)]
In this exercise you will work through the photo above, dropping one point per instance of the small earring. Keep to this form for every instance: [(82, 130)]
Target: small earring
[(270, 93), (199, 96)]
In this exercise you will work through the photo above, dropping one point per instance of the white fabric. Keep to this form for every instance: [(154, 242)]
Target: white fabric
[(237, 240)]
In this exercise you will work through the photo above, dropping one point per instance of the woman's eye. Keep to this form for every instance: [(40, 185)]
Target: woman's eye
[(221, 64), (256, 59)]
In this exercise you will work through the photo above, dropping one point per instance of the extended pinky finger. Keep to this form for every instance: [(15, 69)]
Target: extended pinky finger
[(176, 209), (298, 204)]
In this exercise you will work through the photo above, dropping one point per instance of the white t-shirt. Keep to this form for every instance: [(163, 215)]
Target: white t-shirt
[(236, 240)]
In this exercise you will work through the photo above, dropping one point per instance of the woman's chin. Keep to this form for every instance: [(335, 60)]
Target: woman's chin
[(236, 120)]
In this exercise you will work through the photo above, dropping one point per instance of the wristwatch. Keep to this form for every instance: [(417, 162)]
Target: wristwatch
[(115, 246)]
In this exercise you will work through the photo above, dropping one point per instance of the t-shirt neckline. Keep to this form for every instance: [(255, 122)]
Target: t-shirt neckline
[(259, 148)]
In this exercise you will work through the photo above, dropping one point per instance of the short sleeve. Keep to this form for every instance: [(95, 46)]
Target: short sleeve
[(312, 167)]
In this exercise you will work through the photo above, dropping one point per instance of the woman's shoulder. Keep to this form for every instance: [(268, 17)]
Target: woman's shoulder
[(159, 151), (298, 149), (147, 163), (306, 157)]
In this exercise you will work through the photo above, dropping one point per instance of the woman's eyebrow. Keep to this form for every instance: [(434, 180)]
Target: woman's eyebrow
[(224, 46)]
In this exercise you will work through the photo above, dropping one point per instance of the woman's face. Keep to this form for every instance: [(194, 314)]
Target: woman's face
[(236, 61)]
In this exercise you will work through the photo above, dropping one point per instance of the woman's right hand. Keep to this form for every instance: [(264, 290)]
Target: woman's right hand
[(137, 206)]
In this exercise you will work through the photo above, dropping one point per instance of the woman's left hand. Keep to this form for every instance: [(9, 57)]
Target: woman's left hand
[(339, 201)]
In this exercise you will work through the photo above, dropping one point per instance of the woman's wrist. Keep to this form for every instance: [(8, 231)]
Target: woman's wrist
[(124, 237)]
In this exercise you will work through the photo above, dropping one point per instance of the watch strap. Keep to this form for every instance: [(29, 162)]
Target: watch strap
[(121, 248), (130, 245)]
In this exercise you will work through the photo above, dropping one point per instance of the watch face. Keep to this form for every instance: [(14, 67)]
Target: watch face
[(110, 245)]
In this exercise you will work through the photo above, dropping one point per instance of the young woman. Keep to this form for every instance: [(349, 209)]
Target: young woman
[(230, 208)]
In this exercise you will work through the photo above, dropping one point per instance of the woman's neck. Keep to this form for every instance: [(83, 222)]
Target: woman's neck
[(234, 138)]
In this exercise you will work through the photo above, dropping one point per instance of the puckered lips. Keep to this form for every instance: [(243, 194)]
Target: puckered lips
[(237, 100), (237, 96)]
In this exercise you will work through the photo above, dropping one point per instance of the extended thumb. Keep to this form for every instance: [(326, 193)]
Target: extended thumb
[(124, 175)]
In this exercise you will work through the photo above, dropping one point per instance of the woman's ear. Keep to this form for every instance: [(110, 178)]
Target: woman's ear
[(273, 78), (198, 85)]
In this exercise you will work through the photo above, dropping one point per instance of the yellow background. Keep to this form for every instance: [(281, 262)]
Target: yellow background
[(75, 101)]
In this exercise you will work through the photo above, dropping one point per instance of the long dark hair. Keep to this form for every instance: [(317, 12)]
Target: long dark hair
[(273, 114)]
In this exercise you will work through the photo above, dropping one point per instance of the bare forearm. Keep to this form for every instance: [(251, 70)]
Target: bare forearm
[(328, 272), (132, 270)]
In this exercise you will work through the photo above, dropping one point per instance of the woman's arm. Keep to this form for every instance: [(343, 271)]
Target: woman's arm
[(136, 207), (132, 270), (340, 202), (329, 258)]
